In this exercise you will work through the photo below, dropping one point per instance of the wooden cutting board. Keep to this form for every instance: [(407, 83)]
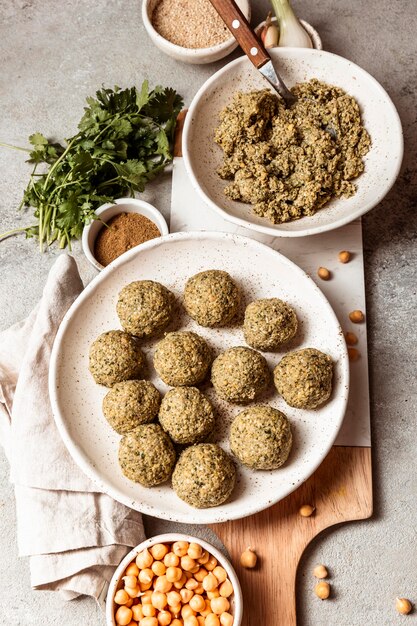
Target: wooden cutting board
[(341, 489)]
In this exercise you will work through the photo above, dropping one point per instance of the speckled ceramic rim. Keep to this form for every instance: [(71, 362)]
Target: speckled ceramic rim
[(171, 538), (216, 513), (275, 231), (192, 55)]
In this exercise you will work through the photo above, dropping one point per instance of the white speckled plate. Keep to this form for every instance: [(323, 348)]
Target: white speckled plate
[(261, 272), (203, 157)]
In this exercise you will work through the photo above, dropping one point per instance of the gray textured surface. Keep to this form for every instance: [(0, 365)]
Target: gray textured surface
[(52, 56)]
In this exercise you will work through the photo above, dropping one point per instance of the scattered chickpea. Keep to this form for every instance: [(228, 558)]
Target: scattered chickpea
[(186, 595), (132, 570), (164, 618), (191, 620), (351, 339), (213, 594), (322, 590), (187, 563), (123, 615), (133, 592), (226, 619), (149, 621), (181, 582), (158, 568), (320, 571), (144, 559), (324, 273), (145, 586), (201, 620), (212, 620), (145, 576), (195, 551), (176, 622), (137, 611), (356, 316), (210, 582), (191, 584), (121, 597), (180, 548), (220, 605), (149, 610), (204, 558), (344, 256), (171, 560), (201, 574), (175, 610), (220, 573), (306, 510), (146, 598), (197, 603), (186, 611), (403, 606), (200, 589), (158, 551), (248, 559), (130, 581), (173, 574), (353, 354), (211, 563), (159, 600), (162, 584), (226, 589)]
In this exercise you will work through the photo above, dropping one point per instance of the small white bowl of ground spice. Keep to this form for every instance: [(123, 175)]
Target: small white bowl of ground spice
[(190, 30), (120, 226)]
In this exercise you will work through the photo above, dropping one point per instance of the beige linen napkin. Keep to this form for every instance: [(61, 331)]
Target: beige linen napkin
[(73, 535)]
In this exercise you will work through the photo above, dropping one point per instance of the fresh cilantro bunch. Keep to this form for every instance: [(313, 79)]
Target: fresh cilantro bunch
[(124, 140)]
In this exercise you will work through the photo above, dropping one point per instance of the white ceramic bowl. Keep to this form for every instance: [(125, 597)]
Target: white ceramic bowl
[(116, 582), (190, 55), (314, 36), (202, 157), (107, 211)]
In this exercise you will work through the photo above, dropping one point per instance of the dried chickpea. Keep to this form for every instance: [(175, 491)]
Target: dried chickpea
[(176, 622), (195, 569), (212, 620), (186, 595), (306, 510), (132, 623), (226, 589), (121, 597), (201, 621), (199, 589), (195, 551), (175, 610), (133, 591), (146, 576), (164, 618), (149, 621), (173, 598), (180, 548), (344, 256), (220, 605), (144, 559), (137, 612), (226, 619), (123, 615), (191, 620), (204, 558), (213, 594), (211, 563), (220, 573), (207, 610), (171, 560), (403, 606), (210, 582), (323, 273), (148, 610), (158, 568), (351, 339), (191, 584), (356, 316), (197, 603), (353, 354), (322, 590), (248, 559), (132, 570), (186, 611), (187, 563), (174, 574), (146, 597), (130, 581), (201, 574), (146, 586), (181, 582), (158, 551), (162, 584), (320, 571), (130, 602), (159, 600)]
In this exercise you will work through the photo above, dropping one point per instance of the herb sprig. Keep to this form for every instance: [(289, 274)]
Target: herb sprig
[(124, 140)]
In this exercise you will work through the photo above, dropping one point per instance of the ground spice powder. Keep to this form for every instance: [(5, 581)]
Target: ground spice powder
[(123, 232), (189, 23)]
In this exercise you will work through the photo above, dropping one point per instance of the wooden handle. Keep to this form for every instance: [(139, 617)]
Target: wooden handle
[(177, 151), (240, 28)]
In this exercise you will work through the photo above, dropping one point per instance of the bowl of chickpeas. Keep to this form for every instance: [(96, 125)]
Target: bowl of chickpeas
[(174, 580)]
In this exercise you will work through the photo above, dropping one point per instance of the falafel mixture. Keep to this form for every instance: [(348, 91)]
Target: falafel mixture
[(261, 437), (304, 378), (269, 323), (144, 308), (211, 298), (290, 162), (147, 455), (204, 476), (131, 403), (182, 358), (240, 375), (186, 415), (115, 356)]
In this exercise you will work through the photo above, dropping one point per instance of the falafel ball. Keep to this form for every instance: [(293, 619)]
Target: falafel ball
[(269, 323), (304, 378), (144, 308), (240, 375), (261, 437), (211, 298), (115, 356), (186, 415), (147, 455), (204, 476), (131, 403), (182, 358)]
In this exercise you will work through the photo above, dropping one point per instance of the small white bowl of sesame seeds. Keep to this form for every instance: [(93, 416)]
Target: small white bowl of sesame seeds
[(191, 30)]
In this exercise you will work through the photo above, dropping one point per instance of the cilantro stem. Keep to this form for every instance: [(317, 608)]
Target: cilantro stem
[(54, 166), (8, 145), (15, 231)]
